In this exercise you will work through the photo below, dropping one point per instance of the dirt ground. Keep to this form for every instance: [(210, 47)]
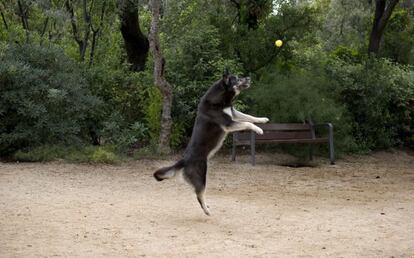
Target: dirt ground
[(360, 207)]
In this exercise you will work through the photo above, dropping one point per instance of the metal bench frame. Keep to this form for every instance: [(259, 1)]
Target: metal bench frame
[(284, 133)]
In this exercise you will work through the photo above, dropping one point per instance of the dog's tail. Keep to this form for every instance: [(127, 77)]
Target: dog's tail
[(168, 172)]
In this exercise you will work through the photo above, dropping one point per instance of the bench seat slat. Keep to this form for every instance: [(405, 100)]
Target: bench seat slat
[(285, 127), (271, 135), (316, 140)]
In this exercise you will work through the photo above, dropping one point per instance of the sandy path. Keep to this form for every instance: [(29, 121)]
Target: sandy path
[(71, 210)]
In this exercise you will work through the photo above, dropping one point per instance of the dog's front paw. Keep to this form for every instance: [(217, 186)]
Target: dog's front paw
[(263, 120), (258, 130)]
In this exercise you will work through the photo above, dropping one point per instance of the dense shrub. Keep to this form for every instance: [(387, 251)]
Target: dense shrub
[(122, 120), (116, 131), (380, 96), (43, 98), (298, 96)]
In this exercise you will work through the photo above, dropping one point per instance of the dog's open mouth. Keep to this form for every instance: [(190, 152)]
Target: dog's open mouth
[(244, 83)]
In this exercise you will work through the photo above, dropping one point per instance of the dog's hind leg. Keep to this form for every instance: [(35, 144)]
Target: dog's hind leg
[(196, 174)]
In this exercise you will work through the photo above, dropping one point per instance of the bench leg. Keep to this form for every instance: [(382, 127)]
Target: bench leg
[(253, 148)]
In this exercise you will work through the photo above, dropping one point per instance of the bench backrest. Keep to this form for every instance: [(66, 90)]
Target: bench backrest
[(280, 132)]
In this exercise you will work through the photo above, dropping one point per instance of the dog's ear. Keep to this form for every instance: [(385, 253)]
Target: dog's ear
[(226, 76)]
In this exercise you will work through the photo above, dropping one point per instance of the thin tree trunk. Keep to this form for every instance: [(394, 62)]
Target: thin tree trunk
[(87, 30), (159, 78), (96, 33), (136, 44), (23, 17), (383, 11), (82, 42), (93, 46), (4, 20)]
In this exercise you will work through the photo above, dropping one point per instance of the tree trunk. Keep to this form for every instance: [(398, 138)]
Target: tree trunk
[(82, 42), (95, 33), (250, 11), (23, 13), (136, 44), (159, 79), (87, 31), (383, 11)]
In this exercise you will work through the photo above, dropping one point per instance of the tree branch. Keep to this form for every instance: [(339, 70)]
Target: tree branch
[(87, 30), (4, 19), (387, 12), (23, 16), (236, 3), (69, 8), (96, 33)]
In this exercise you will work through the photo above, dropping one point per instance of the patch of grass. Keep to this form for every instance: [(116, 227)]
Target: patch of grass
[(88, 154), (40, 154), (104, 156), (149, 152)]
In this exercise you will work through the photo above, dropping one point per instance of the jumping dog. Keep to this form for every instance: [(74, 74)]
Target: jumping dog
[(216, 117)]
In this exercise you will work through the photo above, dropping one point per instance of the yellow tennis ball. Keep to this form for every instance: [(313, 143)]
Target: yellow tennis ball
[(278, 43)]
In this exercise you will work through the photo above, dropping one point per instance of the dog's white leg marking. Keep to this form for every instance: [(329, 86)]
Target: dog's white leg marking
[(200, 198), (170, 174), (228, 111), (241, 117), (241, 126), (218, 146)]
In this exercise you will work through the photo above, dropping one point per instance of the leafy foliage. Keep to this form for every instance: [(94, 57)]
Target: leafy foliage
[(399, 43), (88, 154), (52, 93), (44, 98), (380, 95), (300, 96)]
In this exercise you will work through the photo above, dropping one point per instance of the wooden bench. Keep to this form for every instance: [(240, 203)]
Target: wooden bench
[(284, 133)]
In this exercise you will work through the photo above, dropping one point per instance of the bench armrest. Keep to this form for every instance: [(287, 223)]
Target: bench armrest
[(329, 125), (326, 125)]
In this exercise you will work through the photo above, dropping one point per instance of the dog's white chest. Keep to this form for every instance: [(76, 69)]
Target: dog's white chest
[(228, 111)]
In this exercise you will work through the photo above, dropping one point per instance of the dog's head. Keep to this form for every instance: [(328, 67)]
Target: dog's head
[(224, 91), (235, 84)]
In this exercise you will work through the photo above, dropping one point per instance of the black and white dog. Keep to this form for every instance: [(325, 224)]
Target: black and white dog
[(216, 117)]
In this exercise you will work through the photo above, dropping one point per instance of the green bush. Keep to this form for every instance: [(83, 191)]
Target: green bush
[(43, 98), (153, 109), (379, 95), (116, 131), (122, 91), (101, 155), (298, 96), (41, 153), (398, 44)]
